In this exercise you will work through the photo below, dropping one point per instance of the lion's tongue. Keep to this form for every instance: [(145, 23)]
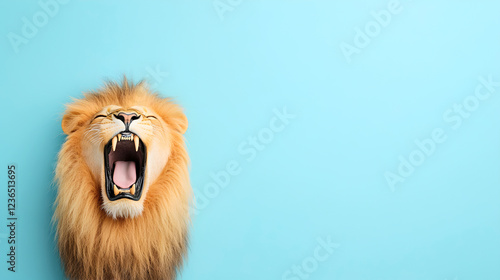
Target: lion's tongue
[(124, 175)]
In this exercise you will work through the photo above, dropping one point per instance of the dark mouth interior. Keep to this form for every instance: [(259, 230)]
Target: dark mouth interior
[(125, 164)]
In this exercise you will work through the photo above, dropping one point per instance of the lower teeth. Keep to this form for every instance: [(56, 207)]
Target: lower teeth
[(118, 191)]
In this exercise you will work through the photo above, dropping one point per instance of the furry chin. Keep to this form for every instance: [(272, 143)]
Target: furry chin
[(125, 209)]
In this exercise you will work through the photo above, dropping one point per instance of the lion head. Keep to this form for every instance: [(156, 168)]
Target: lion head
[(123, 185)]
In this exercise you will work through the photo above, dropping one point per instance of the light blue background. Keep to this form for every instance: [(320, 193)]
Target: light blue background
[(323, 175)]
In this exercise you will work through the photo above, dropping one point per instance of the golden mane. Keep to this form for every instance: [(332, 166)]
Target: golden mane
[(92, 244)]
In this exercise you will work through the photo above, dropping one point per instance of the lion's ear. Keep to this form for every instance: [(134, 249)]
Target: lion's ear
[(71, 121), (179, 122)]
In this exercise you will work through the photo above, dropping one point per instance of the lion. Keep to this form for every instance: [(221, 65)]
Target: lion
[(122, 206)]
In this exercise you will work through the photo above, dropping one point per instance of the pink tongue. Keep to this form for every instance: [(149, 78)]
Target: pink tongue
[(124, 175)]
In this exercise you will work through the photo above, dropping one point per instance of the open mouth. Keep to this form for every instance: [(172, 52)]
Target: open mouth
[(125, 163)]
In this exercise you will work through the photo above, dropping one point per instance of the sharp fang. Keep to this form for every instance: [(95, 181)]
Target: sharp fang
[(114, 143), (115, 190), (136, 142), (132, 190), (119, 137)]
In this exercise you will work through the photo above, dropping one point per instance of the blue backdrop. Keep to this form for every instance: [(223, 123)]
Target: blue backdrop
[(356, 139)]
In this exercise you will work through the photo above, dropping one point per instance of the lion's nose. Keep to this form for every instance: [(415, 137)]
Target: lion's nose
[(127, 118)]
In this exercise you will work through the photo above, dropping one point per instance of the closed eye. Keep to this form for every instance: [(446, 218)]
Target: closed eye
[(151, 117), (98, 116)]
